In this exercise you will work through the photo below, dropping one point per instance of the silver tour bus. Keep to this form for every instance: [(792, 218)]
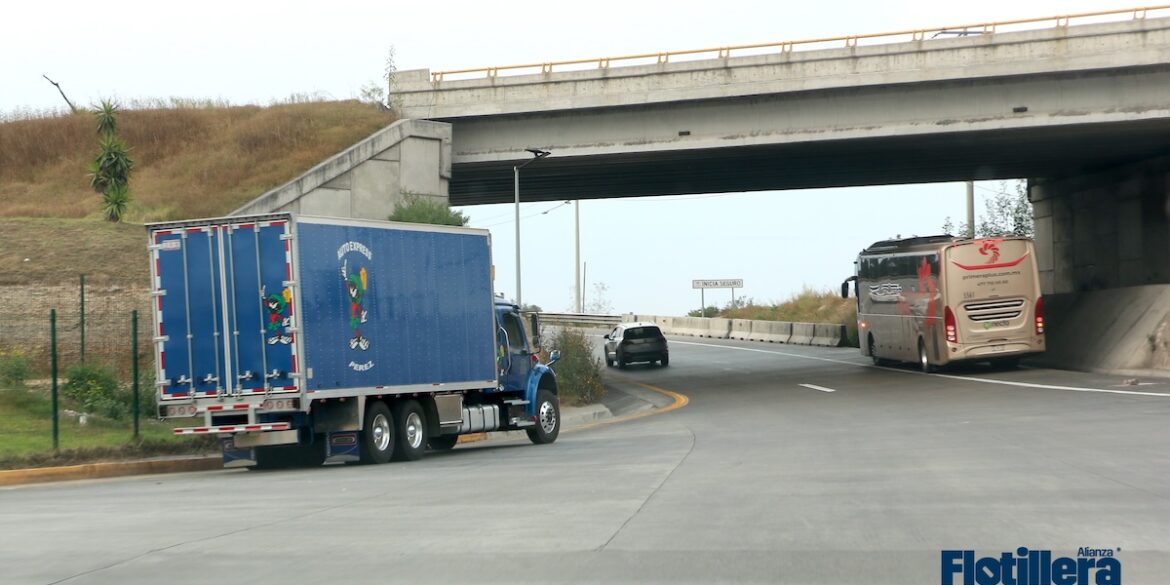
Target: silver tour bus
[(941, 299)]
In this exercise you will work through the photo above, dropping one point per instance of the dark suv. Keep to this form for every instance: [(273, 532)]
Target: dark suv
[(636, 342)]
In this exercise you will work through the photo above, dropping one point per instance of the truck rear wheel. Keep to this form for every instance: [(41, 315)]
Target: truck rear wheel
[(377, 434), (548, 418), (410, 424)]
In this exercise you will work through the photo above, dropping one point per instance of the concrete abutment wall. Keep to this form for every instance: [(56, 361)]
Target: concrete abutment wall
[(1103, 251), (369, 178)]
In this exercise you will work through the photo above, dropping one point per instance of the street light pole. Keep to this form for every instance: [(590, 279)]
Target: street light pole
[(537, 154), (577, 261)]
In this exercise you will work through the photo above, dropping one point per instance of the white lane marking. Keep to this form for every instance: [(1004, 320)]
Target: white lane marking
[(1052, 387), (953, 377), (815, 387)]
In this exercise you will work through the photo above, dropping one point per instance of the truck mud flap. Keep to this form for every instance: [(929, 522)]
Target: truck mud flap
[(235, 456), (343, 446)]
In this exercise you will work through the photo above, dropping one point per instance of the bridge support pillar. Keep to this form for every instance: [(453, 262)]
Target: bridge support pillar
[(1103, 251)]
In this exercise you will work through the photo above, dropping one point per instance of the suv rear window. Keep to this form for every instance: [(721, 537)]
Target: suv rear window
[(643, 333)]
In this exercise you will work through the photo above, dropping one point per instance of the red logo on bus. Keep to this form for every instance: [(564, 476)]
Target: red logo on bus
[(990, 248)]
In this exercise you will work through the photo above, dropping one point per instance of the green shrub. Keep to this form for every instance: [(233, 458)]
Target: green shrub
[(95, 389), (14, 368), (578, 371)]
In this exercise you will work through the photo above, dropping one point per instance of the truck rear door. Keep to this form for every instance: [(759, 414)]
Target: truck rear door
[(224, 309), (261, 310)]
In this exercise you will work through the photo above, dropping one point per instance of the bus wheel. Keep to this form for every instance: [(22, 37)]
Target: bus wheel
[(923, 359), (877, 361)]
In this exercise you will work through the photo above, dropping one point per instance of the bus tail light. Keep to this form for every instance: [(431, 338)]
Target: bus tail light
[(949, 324), (1040, 316)]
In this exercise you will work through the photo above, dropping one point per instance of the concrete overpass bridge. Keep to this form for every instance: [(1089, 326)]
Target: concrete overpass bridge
[(1060, 100), (1078, 106)]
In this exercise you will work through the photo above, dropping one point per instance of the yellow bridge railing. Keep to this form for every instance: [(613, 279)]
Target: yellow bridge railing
[(789, 46)]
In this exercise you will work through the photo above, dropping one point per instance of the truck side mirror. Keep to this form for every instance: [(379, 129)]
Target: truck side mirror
[(845, 289), (554, 356), (534, 320)]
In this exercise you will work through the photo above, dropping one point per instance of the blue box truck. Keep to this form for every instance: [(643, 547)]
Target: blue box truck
[(304, 340)]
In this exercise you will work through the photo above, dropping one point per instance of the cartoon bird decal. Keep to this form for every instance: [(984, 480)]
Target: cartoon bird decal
[(356, 285), (278, 318)]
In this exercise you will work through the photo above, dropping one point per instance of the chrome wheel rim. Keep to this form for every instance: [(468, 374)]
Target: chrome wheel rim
[(414, 430), (547, 416), (381, 432)]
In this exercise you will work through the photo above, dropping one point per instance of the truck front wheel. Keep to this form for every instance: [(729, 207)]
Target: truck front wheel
[(410, 424), (548, 418), (377, 434)]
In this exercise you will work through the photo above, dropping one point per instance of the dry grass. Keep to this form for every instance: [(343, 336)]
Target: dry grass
[(192, 160), (808, 306), (59, 249)]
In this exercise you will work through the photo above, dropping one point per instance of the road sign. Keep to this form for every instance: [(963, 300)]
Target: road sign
[(724, 283)]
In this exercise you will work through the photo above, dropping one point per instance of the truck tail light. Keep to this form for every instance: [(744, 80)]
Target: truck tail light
[(1040, 316), (949, 325)]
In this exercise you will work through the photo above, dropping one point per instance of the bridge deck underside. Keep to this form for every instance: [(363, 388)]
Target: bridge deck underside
[(958, 156)]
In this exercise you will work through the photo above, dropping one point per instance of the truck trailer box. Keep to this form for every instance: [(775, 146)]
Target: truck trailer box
[(277, 305), (265, 323)]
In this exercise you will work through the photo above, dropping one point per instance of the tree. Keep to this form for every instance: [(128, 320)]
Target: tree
[(109, 172), (1005, 214), (598, 303), (420, 208)]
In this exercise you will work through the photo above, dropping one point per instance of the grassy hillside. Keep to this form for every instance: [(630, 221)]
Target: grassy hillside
[(190, 162), (52, 251), (808, 306)]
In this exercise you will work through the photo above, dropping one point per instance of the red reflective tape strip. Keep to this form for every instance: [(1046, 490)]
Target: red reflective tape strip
[(294, 362), (195, 230), (245, 226)]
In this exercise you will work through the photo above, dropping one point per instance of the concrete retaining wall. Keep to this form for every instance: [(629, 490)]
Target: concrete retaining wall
[(1115, 330), (369, 178)]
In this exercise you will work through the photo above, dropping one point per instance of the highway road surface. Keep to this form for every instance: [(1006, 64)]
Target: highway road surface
[(788, 465)]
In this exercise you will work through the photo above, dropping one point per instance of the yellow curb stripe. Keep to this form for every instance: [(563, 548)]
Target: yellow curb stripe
[(472, 438), (680, 400), (108, 469)]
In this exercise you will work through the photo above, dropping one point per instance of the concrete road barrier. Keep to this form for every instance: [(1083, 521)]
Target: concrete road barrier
[(828, 334), (691, 326), (716, 328), (802, 333), (771, 331), (741, 329)]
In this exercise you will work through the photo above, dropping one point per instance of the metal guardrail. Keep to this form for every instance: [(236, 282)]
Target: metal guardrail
[(789, 46), (580, 319)]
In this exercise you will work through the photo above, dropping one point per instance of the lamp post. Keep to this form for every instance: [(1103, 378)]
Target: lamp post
[(577, 263), (537, 154)]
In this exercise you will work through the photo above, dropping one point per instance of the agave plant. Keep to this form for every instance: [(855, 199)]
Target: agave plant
[(114, 203), (105, 114), (112, 166)]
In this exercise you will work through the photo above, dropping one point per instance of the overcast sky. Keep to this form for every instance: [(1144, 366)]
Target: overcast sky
[(259, 51)]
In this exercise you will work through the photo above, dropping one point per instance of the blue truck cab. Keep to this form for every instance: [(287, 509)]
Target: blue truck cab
[(303, 340)]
